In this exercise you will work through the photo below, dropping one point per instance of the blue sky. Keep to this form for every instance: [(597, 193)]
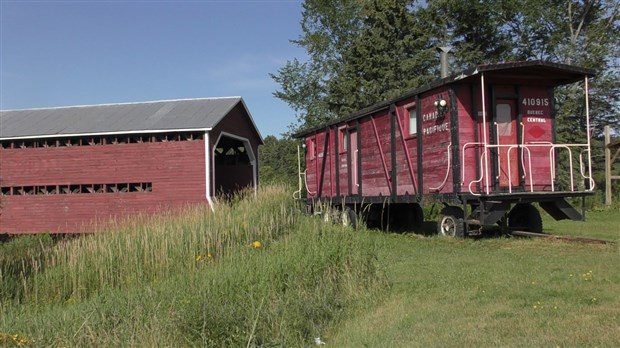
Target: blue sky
[(57, 53)]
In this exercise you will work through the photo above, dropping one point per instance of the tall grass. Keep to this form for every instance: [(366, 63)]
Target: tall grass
[(147, 249), (256, 271)]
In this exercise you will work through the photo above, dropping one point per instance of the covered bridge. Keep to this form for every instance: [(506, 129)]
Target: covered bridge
[(63, 169)]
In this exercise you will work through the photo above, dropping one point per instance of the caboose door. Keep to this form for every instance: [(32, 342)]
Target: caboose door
[(507, 167)]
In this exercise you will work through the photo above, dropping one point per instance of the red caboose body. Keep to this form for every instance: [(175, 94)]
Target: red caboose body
[(482, 141)]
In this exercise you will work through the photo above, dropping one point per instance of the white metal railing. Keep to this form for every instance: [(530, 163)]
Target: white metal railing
[(526, 148), (466, 145), (527, 170), (499, 162), (522, 162), (302, 178)]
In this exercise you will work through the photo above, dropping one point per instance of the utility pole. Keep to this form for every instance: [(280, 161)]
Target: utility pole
[(610, 147)]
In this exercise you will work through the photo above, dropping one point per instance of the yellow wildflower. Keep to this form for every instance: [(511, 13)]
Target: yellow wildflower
[(256, 244), (587, 276)]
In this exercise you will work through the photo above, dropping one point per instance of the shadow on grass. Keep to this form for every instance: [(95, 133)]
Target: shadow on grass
[(429, 229)]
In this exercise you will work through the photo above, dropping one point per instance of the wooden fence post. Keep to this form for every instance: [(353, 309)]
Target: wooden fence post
[(607, 167)]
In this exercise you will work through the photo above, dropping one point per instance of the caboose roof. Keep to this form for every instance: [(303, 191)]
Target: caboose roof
[(155, 116), (551, 74), (554, 74)]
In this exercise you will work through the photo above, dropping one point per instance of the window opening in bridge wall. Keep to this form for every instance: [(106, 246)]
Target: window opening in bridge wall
[(100, 140), (76, 189)]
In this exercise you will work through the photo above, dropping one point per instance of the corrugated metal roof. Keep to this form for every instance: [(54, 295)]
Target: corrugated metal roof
[(183, 114)]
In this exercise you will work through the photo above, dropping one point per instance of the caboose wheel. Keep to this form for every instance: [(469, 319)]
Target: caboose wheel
[(450, 222), (525, 217)]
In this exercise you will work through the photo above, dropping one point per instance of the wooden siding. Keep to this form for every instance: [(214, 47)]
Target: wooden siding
[(406, 150), (376, 160), (436, 137), (538, 126), (379, 166), (469, 136), (320, 165), (446, 159), (175, 169), (237, 122), (466, 163)]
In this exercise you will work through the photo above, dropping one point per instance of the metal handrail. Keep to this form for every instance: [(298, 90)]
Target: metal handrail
[(582, 169), (486, 129), (570, 162), (499, 161), (529, 157), (443, 183), (463, 159), (482, 157), (528, 172)]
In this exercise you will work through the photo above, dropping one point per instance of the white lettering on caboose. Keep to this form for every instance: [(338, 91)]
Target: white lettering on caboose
[(430, 116), (435, 128), (536, 120)]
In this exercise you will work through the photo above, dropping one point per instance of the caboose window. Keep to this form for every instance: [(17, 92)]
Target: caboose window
[(504, 120), (312, 148), (343, 138), (413, 116)]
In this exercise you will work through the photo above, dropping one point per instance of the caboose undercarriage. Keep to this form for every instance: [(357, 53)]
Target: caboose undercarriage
[(458, 215)]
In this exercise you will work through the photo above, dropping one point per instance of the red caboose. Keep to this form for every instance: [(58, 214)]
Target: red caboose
[(482, 142)]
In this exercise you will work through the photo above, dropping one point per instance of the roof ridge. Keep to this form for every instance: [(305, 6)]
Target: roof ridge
[(125, 103)]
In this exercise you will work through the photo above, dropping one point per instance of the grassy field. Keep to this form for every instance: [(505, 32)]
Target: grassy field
[(600, 223), (257, 272), (496, 291)]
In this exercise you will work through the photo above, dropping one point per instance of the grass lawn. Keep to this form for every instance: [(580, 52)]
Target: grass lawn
[(601, 224), (495, 291)]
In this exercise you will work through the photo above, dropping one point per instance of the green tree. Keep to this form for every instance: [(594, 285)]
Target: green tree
[(328, 27), (364, 51), (579, 32), (473, 29), (278, 161), (361, 52), (391, 54)]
